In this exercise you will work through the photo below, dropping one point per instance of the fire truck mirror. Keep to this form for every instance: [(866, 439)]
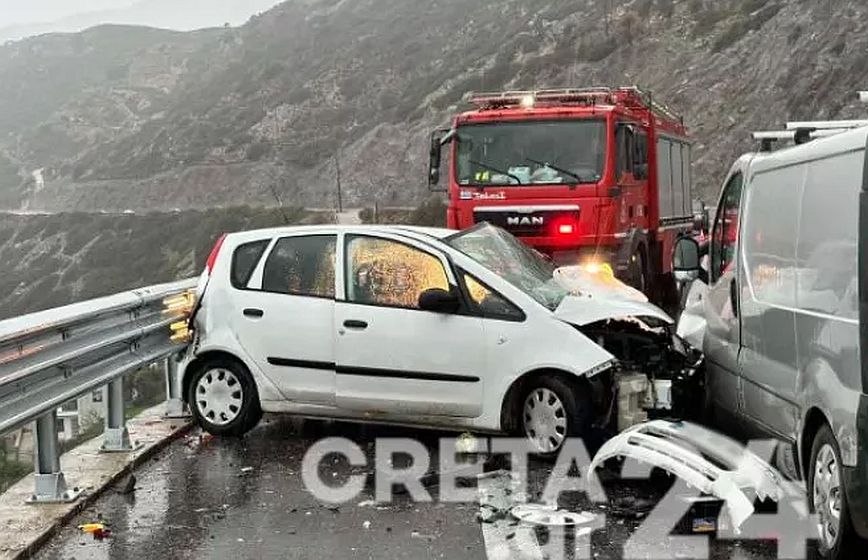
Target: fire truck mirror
[(435, 158)]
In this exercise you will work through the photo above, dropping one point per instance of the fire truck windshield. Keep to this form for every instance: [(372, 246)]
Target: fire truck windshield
[(531, 152), (514, 261)]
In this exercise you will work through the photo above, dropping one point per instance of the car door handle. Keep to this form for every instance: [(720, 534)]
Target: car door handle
[(354, 324), (254, 313)]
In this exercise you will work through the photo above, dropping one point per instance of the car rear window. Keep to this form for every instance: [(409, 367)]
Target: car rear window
[(302, 266), (244, 262)]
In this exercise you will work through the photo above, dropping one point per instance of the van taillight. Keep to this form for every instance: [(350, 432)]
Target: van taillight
[(212, 258)]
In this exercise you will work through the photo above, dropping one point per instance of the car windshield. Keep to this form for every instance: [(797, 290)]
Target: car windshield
[(516, 263), (531, 153)]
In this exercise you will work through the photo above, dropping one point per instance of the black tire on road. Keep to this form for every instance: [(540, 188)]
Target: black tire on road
[(572, 404), (241, 398), (847, 543)]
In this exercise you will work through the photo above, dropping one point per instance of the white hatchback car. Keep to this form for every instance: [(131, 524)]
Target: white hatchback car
[(426, 327)]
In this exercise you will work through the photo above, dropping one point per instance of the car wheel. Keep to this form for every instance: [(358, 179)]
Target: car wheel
[(552, 411), (826, 496), (224, 399)]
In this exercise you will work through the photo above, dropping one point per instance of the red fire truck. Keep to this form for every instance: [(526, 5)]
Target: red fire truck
[(594, 177)]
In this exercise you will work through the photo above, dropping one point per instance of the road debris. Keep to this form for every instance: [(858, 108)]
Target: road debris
[(551, 516), (99, 531), (710, 462), (366, 525)]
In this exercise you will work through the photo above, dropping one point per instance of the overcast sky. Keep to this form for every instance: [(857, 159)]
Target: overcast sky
[(38, 11), (26, 17)]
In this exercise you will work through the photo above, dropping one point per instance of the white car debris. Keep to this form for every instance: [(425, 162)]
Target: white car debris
[(706, 460)]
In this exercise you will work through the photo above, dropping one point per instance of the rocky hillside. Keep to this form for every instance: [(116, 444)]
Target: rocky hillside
[(116, 118), (52, 260)]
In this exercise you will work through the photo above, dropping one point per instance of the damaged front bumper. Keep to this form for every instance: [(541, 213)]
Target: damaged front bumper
[(712, 463)]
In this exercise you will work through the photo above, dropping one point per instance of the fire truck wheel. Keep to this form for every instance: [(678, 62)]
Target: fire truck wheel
[(639, 271)]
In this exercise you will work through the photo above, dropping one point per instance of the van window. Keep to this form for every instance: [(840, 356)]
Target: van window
[(770, 225), (827, 252), (725, 237), (302, 266)]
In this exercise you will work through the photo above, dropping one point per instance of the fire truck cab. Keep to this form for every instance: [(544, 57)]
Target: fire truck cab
[(595, 177)]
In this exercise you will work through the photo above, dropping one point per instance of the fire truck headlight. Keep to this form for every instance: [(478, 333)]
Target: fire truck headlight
[(596, 267)]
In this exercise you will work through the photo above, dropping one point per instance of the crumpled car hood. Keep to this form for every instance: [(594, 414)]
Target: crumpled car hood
[(600, 296)]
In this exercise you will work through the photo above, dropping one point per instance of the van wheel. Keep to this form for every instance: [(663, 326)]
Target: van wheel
[(828, 500), (223, 398), (552, 411)]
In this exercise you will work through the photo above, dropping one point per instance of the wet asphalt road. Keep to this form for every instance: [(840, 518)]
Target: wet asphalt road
[(244, 498)]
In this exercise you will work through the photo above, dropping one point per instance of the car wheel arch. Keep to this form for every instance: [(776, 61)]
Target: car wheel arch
[(815, 419), (204, 358), (512, 400)]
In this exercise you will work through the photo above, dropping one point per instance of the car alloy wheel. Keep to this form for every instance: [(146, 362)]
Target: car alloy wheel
[(827, 495), (545, 420), (219, 396)]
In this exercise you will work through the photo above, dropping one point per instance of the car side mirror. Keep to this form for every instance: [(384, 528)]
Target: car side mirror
[(439, 301), (686, 260)]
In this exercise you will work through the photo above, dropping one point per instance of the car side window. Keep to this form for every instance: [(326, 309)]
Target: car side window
[(244, 261), (302, 266), (391, 274), (724, 242), (488, 303)]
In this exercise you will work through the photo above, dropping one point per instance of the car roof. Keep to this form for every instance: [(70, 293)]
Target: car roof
[(415, 231), (820, 148)]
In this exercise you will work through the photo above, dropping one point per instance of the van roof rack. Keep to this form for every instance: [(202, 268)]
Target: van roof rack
[(800, 132)]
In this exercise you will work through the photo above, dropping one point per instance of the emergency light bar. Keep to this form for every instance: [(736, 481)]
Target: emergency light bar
[(632, 95)]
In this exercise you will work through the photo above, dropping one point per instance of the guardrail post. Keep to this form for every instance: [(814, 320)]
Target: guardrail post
[(50, 487), (175, 406), (117, 437)]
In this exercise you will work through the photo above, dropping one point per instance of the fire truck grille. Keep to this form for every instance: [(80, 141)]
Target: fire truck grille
[(527, 222)]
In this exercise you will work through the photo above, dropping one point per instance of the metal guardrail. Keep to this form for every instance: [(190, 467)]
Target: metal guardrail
[(54, 356)]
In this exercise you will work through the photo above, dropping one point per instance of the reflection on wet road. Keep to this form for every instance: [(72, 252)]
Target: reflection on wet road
[(244, 498)]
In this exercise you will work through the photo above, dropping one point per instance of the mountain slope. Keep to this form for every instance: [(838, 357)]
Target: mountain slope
[(217, 117)]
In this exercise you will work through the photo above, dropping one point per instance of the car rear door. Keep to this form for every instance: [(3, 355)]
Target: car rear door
[(284, 316), (393, 359)]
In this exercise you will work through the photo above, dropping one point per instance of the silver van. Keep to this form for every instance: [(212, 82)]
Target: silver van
[(780, 308)]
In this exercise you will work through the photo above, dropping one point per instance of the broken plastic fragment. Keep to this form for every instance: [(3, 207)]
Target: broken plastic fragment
[(551, 516), (706, 460)]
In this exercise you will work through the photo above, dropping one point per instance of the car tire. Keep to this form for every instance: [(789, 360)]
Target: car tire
[(638, 274), (223, 398), (826, 494), (551, 411)]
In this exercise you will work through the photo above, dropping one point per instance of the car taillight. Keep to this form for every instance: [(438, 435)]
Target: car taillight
[(212, 258), (566, 229)]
